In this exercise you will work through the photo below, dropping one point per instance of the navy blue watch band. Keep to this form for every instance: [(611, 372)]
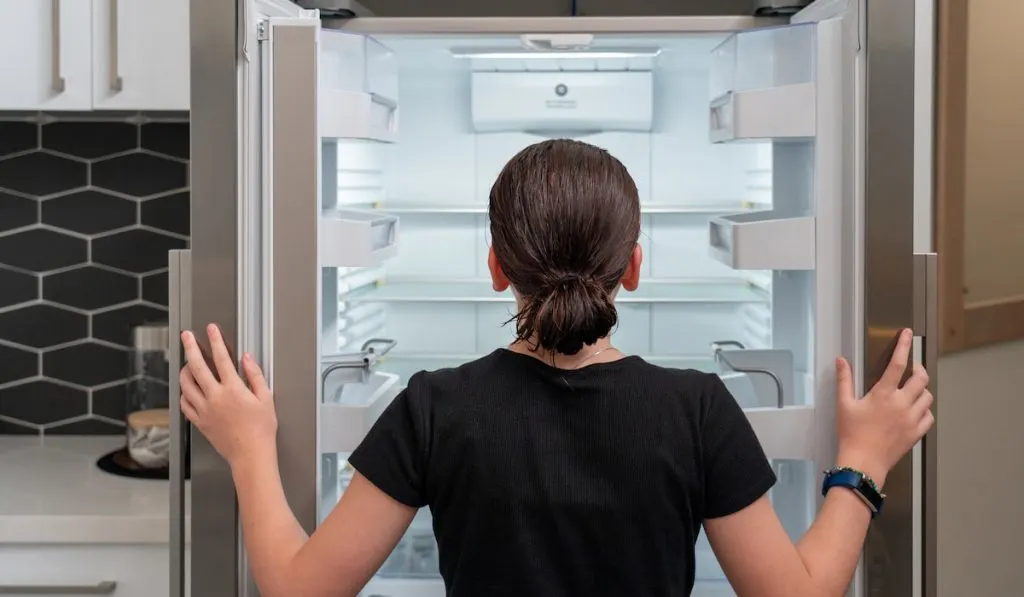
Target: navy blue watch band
[(857, 482)]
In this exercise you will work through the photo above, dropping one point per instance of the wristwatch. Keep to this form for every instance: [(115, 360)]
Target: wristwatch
[(857, 482)]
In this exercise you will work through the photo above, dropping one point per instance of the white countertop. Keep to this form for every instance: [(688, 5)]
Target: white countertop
[(52, 492)]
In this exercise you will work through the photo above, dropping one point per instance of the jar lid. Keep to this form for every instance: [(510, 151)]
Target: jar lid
[(150, 337)]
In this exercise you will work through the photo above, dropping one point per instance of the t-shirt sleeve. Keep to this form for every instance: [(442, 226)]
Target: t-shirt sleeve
[(393, 455), (736, 471)]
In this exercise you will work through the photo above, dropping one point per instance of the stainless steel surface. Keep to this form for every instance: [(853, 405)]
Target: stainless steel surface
[(926, 322), (57, 82), (292, 55), (106, 587), (608, 25), (116, 83), (150, 337), (214, 186), (180, 318), (888, 261)]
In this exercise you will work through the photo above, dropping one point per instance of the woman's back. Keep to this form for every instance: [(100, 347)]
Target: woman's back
[(560, 466), (544, 481)]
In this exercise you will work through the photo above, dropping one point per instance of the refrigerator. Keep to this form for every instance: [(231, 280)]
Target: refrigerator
[(340, 174)]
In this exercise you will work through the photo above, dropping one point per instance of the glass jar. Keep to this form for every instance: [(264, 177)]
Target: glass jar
[(148, 414)]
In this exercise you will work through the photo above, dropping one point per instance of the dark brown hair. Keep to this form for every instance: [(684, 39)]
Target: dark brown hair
[(565, 217)]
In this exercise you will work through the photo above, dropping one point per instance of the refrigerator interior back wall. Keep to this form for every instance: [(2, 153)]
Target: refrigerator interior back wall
[(434, 296)]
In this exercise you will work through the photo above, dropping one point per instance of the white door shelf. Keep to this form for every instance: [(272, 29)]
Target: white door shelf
[(763, 240), (354, 115), (763, 84), (770, 113), (356, 238), (358, 94), (349, 410)]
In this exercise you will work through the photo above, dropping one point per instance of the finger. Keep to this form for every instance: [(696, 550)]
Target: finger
[(197, 364), (844, 381), (927, 421), (922, 406), (918, 381), (191, 389), (257, 381), (898, 363), (189, 410), (226, 369)]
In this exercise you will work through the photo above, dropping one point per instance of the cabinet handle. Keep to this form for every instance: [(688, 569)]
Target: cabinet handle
[(106, 587), (116, 83), (56, 80)]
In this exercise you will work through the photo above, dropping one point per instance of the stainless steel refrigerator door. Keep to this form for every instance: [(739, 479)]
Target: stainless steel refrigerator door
[(214, 173)]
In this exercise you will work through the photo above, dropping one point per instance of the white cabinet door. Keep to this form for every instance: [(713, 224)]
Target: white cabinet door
[(140, 55), (80, 570), (46, 62)]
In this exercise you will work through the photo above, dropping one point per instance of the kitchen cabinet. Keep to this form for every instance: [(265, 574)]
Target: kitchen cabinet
[(46, 47), (79, 55), (140, 55), (79, 570)]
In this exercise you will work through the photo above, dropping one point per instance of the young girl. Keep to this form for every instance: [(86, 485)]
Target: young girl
[(558, 466)]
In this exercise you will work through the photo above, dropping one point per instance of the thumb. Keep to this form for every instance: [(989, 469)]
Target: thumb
[(844, 381), (257, 382)]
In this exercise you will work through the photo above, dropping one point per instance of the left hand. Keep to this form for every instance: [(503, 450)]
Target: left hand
[(238, 422)]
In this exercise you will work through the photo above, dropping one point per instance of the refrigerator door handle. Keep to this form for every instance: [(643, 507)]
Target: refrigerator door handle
[(179, 319), (926, 306)]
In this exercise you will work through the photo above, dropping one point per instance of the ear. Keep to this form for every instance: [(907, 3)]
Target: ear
[(631, 279), (498, 280)]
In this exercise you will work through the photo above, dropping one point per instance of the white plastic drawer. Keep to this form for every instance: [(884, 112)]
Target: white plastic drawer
[(763, 240), (356, 238), (358, 95), (764, 58), (349, 410)]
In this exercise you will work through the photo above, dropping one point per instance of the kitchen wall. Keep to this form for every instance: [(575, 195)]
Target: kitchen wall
[(89, 207)]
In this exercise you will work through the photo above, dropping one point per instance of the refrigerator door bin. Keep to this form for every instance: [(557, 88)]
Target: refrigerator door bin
[(756, 377), (771, 113), (763, 240), (763, 84), (358, 88), (356, 238), (349, 410)]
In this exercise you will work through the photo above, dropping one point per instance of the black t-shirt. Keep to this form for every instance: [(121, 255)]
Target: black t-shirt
[(545, 482)]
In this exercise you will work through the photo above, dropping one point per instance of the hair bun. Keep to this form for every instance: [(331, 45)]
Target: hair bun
[(574, 312)]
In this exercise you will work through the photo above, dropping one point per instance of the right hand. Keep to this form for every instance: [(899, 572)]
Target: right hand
[(876, 431)]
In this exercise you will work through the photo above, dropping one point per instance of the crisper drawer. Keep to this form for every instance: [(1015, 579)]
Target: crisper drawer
[(763, 84), (358, 92), (349, 410), (763, 240), (356, 238)]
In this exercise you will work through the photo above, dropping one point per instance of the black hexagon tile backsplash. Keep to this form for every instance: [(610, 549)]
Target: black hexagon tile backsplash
[(88, 210)]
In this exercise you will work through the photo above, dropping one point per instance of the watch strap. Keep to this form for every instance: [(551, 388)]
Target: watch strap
[(857, 482)]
